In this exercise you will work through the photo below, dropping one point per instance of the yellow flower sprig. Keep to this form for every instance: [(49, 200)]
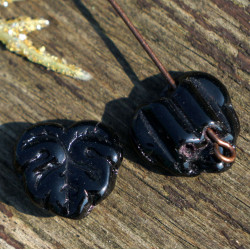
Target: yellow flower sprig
[(13, 33)]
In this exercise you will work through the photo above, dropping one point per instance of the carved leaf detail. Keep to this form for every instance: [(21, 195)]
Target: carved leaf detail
[(68, 170)]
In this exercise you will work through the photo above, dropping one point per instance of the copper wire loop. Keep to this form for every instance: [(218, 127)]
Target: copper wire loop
[(219, 142), (210, 132)]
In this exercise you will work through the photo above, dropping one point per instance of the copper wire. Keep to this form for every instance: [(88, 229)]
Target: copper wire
[(219, 142), (143, 43), (170, 80)]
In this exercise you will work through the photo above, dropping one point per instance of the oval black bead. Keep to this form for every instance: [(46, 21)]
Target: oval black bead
[(69, 171), (170, 132)]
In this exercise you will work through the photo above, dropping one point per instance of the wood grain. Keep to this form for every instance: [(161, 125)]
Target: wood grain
[(147, 209)]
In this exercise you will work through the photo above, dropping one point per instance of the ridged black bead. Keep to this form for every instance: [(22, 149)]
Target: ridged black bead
[(170, 132), (68, 171)]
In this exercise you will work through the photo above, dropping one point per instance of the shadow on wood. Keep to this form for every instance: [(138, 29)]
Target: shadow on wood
[(108, 42), (121, 111)]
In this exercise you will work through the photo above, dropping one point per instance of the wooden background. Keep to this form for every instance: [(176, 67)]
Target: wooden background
[(147, 209)]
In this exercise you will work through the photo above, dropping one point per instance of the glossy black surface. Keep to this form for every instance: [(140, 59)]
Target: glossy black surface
[(170, 132), (69, 171)]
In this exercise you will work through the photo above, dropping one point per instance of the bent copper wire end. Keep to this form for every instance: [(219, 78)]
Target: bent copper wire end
[(219, 142)]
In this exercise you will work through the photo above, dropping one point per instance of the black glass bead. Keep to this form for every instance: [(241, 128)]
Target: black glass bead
[(170, 132), (69, 171)]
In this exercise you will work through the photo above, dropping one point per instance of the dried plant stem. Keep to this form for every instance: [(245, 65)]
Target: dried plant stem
[(13, 35)]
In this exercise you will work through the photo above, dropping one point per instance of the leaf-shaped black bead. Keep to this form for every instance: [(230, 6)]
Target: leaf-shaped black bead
[(69, 171), (171, 132)]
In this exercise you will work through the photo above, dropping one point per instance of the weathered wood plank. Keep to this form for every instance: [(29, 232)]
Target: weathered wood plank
[(147, 209)]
